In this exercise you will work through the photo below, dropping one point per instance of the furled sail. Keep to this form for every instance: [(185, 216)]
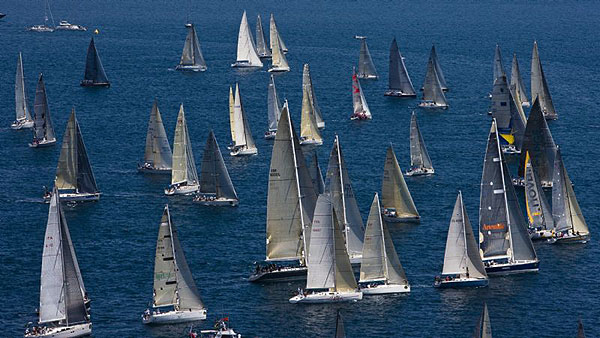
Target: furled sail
[(42, 123), (214, 177), (308, 123), (498, 65), (398, 78), (94, 71), (243, 136), (192, 54), (361, 108), (539, 86), (273, 106), (21, 105), (307, 83), (432, 88), (517, 81), (274, 35), (538, 141), (565, 208), (316, 175), (438, 68), (419, 157), (158, 151), (261, 44), (538, 210), (246, 51), (394, 192), (366, 67), (184, 166)]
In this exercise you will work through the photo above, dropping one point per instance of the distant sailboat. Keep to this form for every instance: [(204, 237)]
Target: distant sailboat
[(539, 86), (274, 35), (359, 103), (340, 332), (307, 83), (184, 177), (23, 119), (45, 27), (462, 264), (509, 118), (242, 141), (278, 61), (420, 162), (398, 205), (247, 56), (216, 187), (380, 270), (399, 83), (498, 65), (484, 326), (309, 130), (74, 176), (580, 331), (517, 81), (43, 132), (438, 68), (568, 219), (263, 50), (191, 57), (273, 110), (504, 242), (330, 277), (366, 67), (158, 157), (541, 224), (316, 175), (63, 310), (174, 285), (290, 206), (94, 72), (339, 186), (433, 94)]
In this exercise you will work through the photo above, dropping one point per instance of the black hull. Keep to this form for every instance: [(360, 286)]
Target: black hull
[(283, 274), (506, 269), (94, 84)]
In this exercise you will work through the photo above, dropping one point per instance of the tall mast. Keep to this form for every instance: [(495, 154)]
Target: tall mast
[(337, 149), (508, 222), (300, 196)]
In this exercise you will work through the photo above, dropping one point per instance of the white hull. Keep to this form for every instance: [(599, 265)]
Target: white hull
[(361, 116), (40, 28), (355, 260), (320, 125), (420, 172), (510, 150), (570, 239), (79, 330), (245, 64), (398, 93), (74, 197), (219, 202), (541, 234), (526, 104), (174, 316), (311, 142), (43, 143), (183, 190), (244, 152), (383, 289), (270, 135), (279, 69), (189, 68), (367, 77), (22, 124), (433, 105), (327, 297)]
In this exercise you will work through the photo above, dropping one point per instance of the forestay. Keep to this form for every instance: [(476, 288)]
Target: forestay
[(438, 68), (432, 89), (517, 81), (358, 97), (261, 44), (243, 136), (94, 71), (309, 129)]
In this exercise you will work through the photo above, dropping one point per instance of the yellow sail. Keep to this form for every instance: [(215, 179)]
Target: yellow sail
[(309, 129)]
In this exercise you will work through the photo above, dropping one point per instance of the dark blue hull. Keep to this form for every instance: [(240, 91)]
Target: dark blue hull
[(506, 269)]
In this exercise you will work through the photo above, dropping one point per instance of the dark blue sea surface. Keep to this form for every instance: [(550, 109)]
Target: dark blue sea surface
[(140, 43)]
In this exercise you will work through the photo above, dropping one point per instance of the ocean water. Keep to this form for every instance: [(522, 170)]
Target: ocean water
[(140, 43)]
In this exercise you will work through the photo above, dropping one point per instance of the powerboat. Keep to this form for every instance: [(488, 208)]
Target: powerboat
[(64, 25)]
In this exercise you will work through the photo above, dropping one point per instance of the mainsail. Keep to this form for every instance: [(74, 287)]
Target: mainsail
[(274, 36), (394, 192), (42, 123), (94, 72), (246, 51), (366, 68), (273, 106), (498, 66), (214, 177), (361, 108), (484, 326), (243, 136), (174, 284), (517, 81), (291, 197), (316, 175), (539, 86), (21, 105), (74, 171), (565, 208), (339, 186), (398, 78), (538, 141), (538, 210), (192, 55), (158, 151), (419, 157), (380, 260), (438, 69), (432, 88), (184, 166), (308, 85), (261, 44), (309, 129)]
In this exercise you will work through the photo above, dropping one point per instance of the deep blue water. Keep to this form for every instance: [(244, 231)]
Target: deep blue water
[(140, 41)]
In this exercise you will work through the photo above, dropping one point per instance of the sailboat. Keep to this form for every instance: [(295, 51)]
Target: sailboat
[(158, 158), (215, 184), (462, 264), (484, 326), (278, 61), (262, 49), (438, 68), (568, 219), (242, 141), (380, 269), (580, 331), (420, 162), (359, 103), (316, 175), (310, 89), (247, 56), (74, 176), (330, 277), (94, 75), (340, 332), (399, 83), (339, 186), (45, 28), (309, 130), (274, 36), (498, 65), (433, 94), (366, 67), (184, 177), (538, 141), (23, 119), (541, 224), (398, 205), (539, 86), (517, 81), (504, 242), (191, 57), (290, 207), (509, 117), (43, 132), (273, 110), (174, 285), (64, 303)]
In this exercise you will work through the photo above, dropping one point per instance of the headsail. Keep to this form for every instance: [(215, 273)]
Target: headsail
[(538, 209), (498, 66), (432, 88), (308, 124), (539, 86), (274, 35), (246, 51), (94, 71), (398, 78), (273, 106), (438, 68), (366, 67), (261, 44), (21, 104), (158, 151), (565, 208), (538, 141), (419, 157), (184, 166), (307, 83), (214, 177), (42, 123), (361, 108), (192, 54), (394, 192), (517, 81)]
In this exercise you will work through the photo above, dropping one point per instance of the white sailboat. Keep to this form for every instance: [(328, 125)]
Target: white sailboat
[(290, 207), (539, 86), (75, 179), (568, 219), (43, 131), (216, 187), (274, 36), (438, 68), (541, 224), (309, 130), (191, 57), (433, 93), (504, 243), (308, 85), (23, 119), (242, 141), (330, 277), (339, 186), (247, 56), (380, 270), (175, 298), (158, 158), (366, 67), (516, 81), (63, 310), (273, 110), (263, 50), (184, 177), (278, 61), (420, 162), (398, 205), (45, 27), (361, 109), (399, 83), (462, 264)]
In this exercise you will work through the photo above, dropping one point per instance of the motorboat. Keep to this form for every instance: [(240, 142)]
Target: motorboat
[(64, 25)]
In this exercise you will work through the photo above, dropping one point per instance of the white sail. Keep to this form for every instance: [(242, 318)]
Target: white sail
[(307, 83), (274, 36), (358, 98), (21, 105), (184, 166), (394, 191), (366, 68), (565, 208), (158, 151), (321, 259), (438, 68), (273, 106), (246, 50), (309, 131), (539, 86), (231, 115), (243, 136), (279, 61)]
